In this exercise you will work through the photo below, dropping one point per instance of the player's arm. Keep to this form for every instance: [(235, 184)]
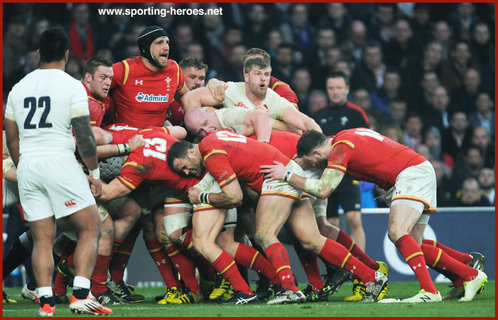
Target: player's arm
[(299, 120), (120, 149), (279, 125), (202, 97), (113, 190), (230, 195), (178, 132), (321, 188), (12, 134), (261, 122)]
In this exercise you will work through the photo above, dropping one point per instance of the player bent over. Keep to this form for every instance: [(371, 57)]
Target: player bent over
[(366, 155)]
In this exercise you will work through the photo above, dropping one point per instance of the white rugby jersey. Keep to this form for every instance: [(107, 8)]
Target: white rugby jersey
[(43, 104), (235, 96)]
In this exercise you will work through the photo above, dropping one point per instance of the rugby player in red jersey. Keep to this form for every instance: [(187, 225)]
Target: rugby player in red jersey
[(366, 155), (230, 157)]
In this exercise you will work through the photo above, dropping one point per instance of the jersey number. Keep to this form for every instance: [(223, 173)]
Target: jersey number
[(229, 136), (369, 133), (30, 103), (155, 148)]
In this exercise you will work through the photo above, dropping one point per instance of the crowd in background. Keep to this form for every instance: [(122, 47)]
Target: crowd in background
[(423, 73)]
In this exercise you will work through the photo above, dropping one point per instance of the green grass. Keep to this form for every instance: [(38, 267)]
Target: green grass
[(482, 306)]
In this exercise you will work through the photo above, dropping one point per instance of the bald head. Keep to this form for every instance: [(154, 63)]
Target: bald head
[(201, 121)]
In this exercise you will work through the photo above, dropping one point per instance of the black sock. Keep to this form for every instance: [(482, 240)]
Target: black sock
[(80, 293), (31, 285), (46, 299)]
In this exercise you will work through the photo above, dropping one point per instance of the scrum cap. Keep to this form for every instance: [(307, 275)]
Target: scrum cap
[(145, 40)]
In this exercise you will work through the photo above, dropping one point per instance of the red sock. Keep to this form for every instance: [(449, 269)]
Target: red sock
[(60, 285), (187, 241), (464, 258), (161, 260), (185, 267), (338, 256), (99, 275), (122, 253), (415, 258), (309, 261), (225, 265), (344, 239), (436, 257), (250, 258), (279, 259)]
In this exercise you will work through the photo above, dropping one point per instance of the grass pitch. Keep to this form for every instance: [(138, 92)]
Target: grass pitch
[(483, 305)]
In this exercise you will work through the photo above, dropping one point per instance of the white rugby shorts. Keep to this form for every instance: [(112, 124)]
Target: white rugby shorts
[(282, 188), (416, 188), (52, 186)]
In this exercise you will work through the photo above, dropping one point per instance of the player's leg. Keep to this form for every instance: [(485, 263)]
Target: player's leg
[(303, 224), (206, 225), (43, 232)]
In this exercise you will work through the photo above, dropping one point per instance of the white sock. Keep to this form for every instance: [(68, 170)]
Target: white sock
[(45, 291), (81, 282)]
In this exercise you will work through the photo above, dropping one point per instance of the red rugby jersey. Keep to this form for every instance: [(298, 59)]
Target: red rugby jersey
[(369, 156), (142, 96), (149, 163), (229, 156)]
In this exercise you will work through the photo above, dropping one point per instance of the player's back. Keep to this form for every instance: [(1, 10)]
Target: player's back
[(376, 158), (42, 104)]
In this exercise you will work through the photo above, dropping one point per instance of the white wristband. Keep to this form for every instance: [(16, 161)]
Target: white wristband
[(95, 173)]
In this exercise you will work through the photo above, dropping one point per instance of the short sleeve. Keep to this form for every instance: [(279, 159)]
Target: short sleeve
[(79, 101)]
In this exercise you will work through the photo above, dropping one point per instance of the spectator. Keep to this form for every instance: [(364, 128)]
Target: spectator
[(337, 19), (257, 25), (112, 29), (14, 45), (432, 139), (441, 33), (421, 98), (316, 56), (465, 95), (284, 63), (31, 63), (481, 45), (231, 37), (456, 137), (401, 46), (361, 98), (412, 74), (397, 113), (420, 24), (82, 36), (273, 40), (74, 67), (463, 20), (369, 74), (455, 68), (438, 114), (122, 50), (413, 130), (342, 65), (299, 30), (393, 132), (470, 195), (332, 56), (482, 140), (443, 181), (301, 84), (381, 24), (317, 100), (389, 91), (195, 50), (467, 167), (353, 46), (486, 180), (231, 70), (485, 114), (35, 29), (182, 36)]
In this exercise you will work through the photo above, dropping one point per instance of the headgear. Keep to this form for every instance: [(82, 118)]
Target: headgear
[(145, 40)]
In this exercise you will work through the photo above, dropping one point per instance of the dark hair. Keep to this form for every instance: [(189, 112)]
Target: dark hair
[(178, 150), (192, 62), (309, 141), (259, 62), (257, 51), (94, 63), (334, 74), (53, 45)]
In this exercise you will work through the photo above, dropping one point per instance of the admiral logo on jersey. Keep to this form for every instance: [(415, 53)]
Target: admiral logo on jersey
[(143, 97)]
